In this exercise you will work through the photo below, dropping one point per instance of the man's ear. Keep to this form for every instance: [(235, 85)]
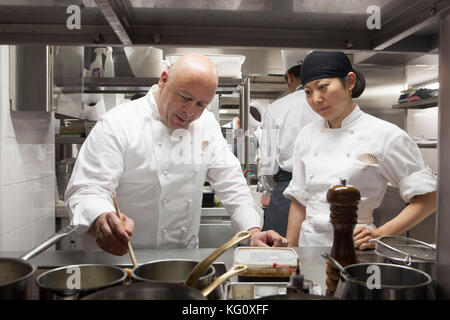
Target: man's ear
[(163, 79)]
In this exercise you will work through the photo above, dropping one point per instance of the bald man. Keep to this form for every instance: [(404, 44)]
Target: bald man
[(155, 153)]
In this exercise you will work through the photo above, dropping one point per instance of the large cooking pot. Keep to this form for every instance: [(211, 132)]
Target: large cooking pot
[(16, 273), (396, 283), (162, 290), (192, 273), (63, 284), (407, 252)]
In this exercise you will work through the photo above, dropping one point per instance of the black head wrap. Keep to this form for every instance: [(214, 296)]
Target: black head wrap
[(325, 64)]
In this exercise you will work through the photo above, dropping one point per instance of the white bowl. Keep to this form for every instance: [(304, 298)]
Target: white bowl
[(145, 62)]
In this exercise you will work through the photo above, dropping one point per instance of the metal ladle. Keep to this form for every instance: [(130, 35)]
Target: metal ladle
[(338, 265)]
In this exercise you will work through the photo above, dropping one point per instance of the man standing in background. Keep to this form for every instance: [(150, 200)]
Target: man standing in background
[(282, 122)]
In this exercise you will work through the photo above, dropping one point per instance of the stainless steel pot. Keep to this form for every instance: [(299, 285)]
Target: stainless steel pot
[(16, 273), (396, 283), (387, 247), (174, 271), (162, 290), (62, 283)]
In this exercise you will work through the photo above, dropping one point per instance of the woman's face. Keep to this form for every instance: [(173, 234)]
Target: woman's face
[(330, 98)]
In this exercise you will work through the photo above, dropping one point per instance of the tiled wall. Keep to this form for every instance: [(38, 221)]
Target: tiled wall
[(27, 175)]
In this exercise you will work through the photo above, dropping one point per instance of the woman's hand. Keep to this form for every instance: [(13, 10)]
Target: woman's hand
[(362, 235)]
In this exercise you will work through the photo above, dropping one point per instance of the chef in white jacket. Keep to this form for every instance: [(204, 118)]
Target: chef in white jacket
[(283, 121), (348, 143), (155, 153)]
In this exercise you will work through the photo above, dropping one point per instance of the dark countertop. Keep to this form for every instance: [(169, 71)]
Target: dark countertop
[(312, 264)]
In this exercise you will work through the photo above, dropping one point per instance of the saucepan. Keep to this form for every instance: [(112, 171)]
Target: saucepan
[(192, 273), (408, 252), (381, 281), (71, 282), (162, 290), (16, 273)]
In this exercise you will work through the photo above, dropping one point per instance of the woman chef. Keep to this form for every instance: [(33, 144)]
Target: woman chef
[(348, 143)]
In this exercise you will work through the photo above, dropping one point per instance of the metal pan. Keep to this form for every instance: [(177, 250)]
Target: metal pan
[(192, 273), (16, 273), (162, 290), (76, 281)]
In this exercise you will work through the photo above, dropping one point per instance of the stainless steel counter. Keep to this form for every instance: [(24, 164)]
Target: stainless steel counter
[(312, 265)]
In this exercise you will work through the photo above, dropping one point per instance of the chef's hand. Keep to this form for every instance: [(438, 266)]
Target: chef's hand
[(111, 234), (265, 201), (362, 235), (266, 239)]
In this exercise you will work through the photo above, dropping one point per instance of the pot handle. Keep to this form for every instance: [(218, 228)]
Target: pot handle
[(236, 269), (49, 242), (200, 268)]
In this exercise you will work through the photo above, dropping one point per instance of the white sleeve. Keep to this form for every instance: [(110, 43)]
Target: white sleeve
[(403, 166), (226, 178), (297, 187), (269, 145), (96, 173)]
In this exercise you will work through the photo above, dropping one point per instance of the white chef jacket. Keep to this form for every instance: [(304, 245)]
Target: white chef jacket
[(323, 155), (283, 120), (131, 151)]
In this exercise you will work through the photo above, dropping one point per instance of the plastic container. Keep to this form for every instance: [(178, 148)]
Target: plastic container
[(260, 261), (145, 62), (227, 65)]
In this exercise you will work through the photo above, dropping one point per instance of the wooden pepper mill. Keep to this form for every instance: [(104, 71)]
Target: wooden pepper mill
[(343, 200)]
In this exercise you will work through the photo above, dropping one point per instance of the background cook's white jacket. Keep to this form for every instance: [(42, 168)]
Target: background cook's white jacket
[(283, 120), (322, 155), (131, 151)]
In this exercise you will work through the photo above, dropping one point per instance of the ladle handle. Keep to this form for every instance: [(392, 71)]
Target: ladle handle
[(337, 264), (200, 268), (236, 269)]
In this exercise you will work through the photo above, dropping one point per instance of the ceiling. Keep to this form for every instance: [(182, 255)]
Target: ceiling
[(409, 29)]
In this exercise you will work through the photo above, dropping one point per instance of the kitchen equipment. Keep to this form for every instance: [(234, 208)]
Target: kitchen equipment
[(409, 252), (130, 248), (199, 270), (227, 65), (77, 281), (16, 273), (63, 172), (326, 256), (192, 273), (260, 261), (395, 283), (162, 290), (263, 290), (145, 61)]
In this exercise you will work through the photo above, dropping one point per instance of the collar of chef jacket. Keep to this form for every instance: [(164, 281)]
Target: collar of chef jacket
[(349, 120)]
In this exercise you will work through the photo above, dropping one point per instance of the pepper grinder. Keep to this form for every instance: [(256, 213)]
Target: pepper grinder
[(343, 200)]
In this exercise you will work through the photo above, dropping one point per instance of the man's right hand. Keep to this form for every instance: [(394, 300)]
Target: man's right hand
[(111, 234)]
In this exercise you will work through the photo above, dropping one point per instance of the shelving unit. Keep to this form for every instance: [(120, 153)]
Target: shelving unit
[(419, 104)]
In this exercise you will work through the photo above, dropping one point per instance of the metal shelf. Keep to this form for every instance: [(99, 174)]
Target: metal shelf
[(61, 139), (142, 85), (427, 145), (419, 104)]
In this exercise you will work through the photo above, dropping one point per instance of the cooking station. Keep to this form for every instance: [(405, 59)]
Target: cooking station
[(312, 264)]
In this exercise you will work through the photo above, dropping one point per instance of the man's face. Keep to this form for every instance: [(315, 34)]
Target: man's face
[(183, 98)]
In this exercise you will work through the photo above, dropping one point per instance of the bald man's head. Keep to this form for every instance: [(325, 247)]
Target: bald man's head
[(186, 90)]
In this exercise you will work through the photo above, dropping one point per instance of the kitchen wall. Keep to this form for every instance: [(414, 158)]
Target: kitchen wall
[(27, 175)]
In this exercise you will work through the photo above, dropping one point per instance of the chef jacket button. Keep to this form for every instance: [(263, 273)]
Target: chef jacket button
[(315, 153), (197, 170), (311, 176), (164, 201), (348, 155), (159, 144), (165, 172), (352, 132), (189, 200), (155, 116), (164, 230), (183, 229)]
